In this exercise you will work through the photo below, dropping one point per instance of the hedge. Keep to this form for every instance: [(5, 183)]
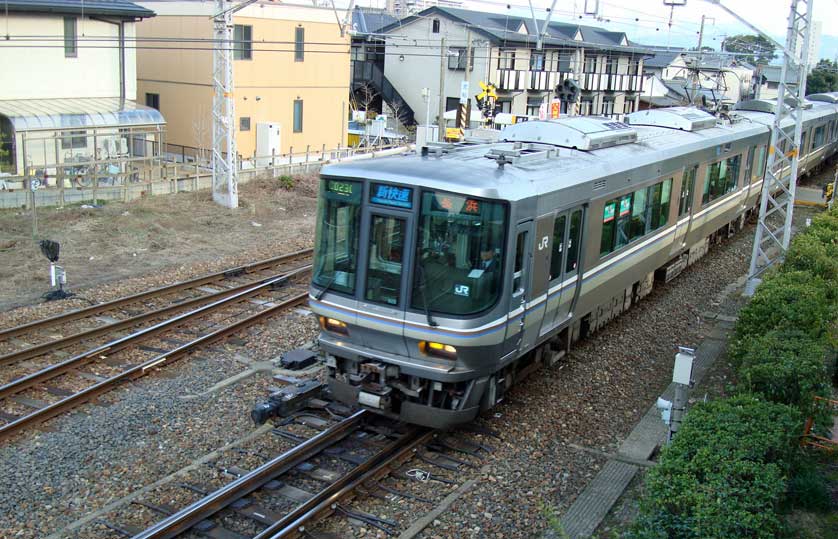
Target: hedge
[(786, 366), (723, 473), (726, 472)]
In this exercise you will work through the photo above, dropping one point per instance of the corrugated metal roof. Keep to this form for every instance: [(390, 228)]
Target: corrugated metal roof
[(56, 114), (111, 8)]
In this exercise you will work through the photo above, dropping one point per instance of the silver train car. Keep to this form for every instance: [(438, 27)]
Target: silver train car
[(443, 276)]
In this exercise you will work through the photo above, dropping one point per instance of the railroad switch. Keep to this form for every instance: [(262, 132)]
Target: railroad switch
[(287, 400)]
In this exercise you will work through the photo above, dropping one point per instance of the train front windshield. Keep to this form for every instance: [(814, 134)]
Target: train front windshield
[(336, 240), (458, 264)]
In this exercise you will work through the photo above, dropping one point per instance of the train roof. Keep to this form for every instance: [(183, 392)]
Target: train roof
[(524, 168)]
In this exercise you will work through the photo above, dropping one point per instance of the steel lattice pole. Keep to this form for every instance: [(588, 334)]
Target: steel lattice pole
[(773, 231)]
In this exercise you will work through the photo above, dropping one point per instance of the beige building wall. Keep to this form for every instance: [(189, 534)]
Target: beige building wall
[(40, 70), (266, 86)]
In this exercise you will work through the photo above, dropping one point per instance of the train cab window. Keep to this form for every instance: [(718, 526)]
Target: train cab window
[(459, 254), (573, 239), (558, 247), (721, 179), (384, 265), (336, 238), (606, 244), (687, 189)]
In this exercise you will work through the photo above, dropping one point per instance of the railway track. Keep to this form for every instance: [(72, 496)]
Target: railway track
[(57, 332), (34, 391), (285, 496)]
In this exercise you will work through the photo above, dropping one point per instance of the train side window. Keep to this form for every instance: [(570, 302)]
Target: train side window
[(759, 171), (818, 139), (638, 213), (623, 221), (573, 240), (558, 247), (518, 270), (687, 187), (721, 178), (608, 217)]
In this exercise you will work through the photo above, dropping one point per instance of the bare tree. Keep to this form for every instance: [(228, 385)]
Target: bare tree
[(201, 132), (366, 95)]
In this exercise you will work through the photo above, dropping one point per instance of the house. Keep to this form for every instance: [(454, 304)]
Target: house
[(290, 66), (605, 65), (771, 81), (718, 76), (67, 105)]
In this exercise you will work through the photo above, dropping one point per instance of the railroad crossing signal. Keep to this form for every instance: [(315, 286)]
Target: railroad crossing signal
[(486, 99)]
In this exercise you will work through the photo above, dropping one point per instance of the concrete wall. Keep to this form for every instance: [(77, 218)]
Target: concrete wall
[(421, 65), (182, 78), (40, 70)]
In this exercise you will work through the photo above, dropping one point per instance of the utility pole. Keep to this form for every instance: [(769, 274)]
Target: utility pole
[(773, 232), (225, 181), (701, 33), (443, 56)]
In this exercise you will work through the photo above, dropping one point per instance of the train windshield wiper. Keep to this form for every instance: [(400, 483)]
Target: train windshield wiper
[(327, 287), (423, 291)]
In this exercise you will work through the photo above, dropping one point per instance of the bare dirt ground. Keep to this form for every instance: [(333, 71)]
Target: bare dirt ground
[(167, 237)]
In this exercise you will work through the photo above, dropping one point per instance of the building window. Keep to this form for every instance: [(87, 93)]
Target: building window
[(611, 65), (506, 59), (633, 66), (536, 61), (299, 43), (586, 105), (564, 61), (244, 123), (504, 105), (242, 42), (452, 103), (72, 140), (152, 100), (590, 64), (607, 106), (71, 43), (435, 26), (628, 105), (298, 116), (533, 104), (458, 61)]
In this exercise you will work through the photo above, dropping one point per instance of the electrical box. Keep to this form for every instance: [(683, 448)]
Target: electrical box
[(267, 142), (683, 371), (426, 134)]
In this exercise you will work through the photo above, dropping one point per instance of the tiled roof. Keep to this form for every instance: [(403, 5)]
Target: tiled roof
[(503, 29), (113, 8), (370, 20)]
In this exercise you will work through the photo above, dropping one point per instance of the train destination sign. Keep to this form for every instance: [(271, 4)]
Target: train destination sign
[(391, 195), (343, 190)]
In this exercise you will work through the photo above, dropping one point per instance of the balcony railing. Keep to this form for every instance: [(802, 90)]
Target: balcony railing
[(514, 79)]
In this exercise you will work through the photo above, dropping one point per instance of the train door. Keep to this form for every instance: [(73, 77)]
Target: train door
[(570, 265), (538, 304), (685, 210), (517, 334), (385, 291)]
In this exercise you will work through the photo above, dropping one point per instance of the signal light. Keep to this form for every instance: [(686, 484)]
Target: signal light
[(445, 351), (335, 326)]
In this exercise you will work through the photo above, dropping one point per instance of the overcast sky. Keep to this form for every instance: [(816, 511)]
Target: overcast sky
[(647, 21)]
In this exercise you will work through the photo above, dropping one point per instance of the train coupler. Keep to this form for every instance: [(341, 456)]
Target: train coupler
[(289, 399)]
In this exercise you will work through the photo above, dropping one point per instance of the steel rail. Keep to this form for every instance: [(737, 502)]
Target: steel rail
[(191, 283), (181, 521), (39, 349), (324, 502), (142, 369), (121, 343)]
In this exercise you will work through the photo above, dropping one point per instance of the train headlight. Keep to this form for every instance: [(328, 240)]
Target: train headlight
[(445, 351), (335, 326)]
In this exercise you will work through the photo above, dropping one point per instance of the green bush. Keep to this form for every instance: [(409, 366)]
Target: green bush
[(785, 366), (807, 488), (286, 182), (787, 300), (723, 473), (808, 252)]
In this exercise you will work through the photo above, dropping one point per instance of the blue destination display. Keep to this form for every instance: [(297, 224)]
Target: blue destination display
[(390, 195)]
